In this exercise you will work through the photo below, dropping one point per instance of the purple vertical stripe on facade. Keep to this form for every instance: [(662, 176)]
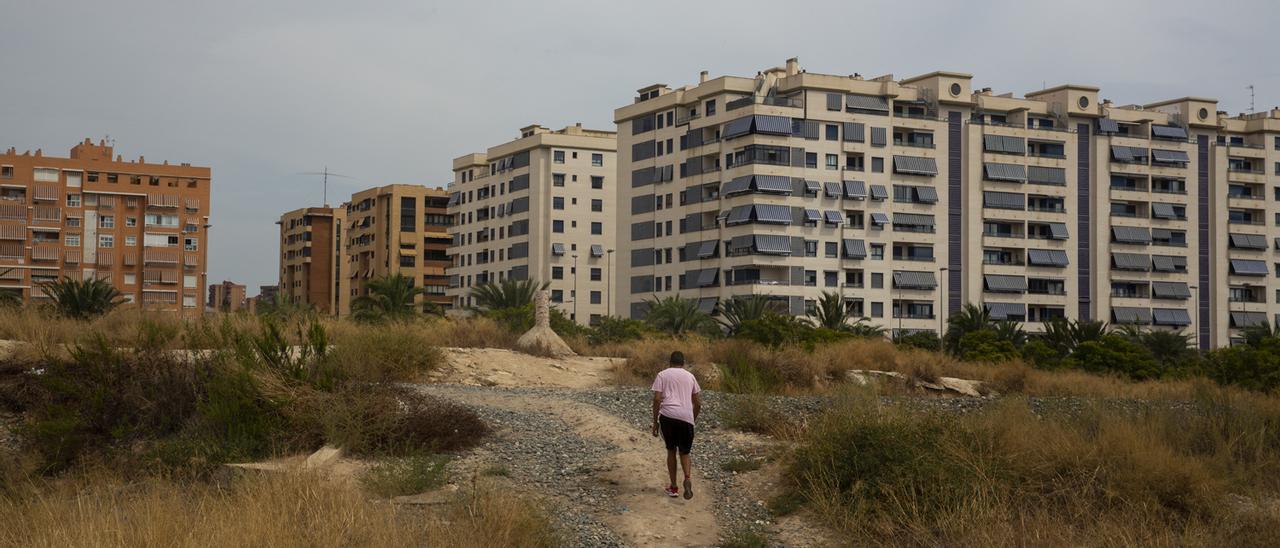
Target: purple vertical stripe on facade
[(1083, 183), (1202, 196), (955, 198)]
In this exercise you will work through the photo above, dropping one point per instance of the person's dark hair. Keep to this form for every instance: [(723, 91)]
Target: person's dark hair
[(677, 358)]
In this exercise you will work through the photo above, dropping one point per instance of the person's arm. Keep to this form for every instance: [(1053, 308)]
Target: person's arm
[(697, 405), (657, 402)]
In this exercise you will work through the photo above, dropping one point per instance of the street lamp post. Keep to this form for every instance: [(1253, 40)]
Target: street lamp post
[(575, 287), (1195, 313), (942, 298), (608, 284)]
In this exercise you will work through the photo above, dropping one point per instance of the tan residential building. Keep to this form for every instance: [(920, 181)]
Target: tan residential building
[(540, 207), (398, 229), (226, 297), (313, 258), (904, 194), (141, 226)]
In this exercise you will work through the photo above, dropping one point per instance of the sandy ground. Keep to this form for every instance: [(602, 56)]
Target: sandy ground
[(498, 367)]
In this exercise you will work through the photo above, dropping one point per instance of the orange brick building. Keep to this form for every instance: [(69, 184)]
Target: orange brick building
[(142, 227)]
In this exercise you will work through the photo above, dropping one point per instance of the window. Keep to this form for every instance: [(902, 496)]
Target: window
[(811, 278), (557, 179), (6, 172), (73, 222), (597, 228), (877, 252), (877, 310), (811, 160), (877, 280), (72, 240), (405, 260), (130, 241), (832, 249), (855, 162), (557, 202), (130, 221), (595, 274), (557, 272), (193, 244), (597, 159), (106, 240), (130, 278), (830, 278), (833, 132), (557, 295), (160, 240), (595, 297), (45, 175), (597, 182), (73, 200), (597, 205), (408, 214), (156, 219), (877, 165), (710, 107), (188, 281), (557, 156), (107, 221), (557, 226), (833, 161)]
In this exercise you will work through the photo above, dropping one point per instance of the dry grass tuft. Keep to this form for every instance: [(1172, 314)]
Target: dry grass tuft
[(260, 510)]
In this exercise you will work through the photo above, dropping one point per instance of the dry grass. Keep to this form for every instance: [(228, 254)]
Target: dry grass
[(266, 510), (1093, 476)]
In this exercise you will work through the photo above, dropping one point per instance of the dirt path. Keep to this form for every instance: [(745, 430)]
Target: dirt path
[(499, 367), (633, 470)]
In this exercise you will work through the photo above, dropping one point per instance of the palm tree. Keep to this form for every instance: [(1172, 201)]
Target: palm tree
[(506, 294), (740, 309), (1168, 347), (971, 318), (677, 316), (831, 312), (283, 306), (82, 299), (389, 298), (1087, 331), (1057, 336), (1255, 334), (1012, 332), (862, 327), (9, 297)]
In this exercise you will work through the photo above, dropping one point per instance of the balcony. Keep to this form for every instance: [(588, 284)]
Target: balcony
[(791, 102)]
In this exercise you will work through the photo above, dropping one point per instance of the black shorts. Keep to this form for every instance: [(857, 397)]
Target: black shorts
[(677, 433)]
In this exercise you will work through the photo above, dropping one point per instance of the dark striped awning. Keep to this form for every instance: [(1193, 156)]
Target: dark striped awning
[(770, 244), (906, 279), (912, 219), (1170, 290), (834, 217), (1168, 132), (1131, 261), (915, 165), (812, 215), (1166, 263), (873, 103), (833, 190), (1013, 173), (774, 214), (1163, 211), (1248, 319), (1130, 315), (1248, 241), (855, 249), (1047, 257), (1005, 311), (1005, 284), (1046, 175), (1130, 235), (1004, 200), (1171, 316), (1248, 267), (856, 190), (1004, 143), (1169, 156)]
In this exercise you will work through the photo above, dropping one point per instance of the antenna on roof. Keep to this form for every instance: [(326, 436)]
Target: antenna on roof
[(326, 173), (1250, 86)]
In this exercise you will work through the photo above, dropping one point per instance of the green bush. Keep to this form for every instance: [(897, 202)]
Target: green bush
[(1116, 354), (985, 345), (520, 319), (405, 475), (1251, 367), (613, 329), (1039, 354), (924, 340), (774, 330), (739, 374), (752, 413)]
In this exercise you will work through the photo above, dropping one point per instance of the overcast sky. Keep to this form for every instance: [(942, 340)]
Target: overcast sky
[(391, 92)]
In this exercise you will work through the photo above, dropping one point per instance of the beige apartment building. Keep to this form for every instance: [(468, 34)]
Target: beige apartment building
[(398, 229), (540, 207), (226, 297), (313, 258), (913, 197), (141, 226)]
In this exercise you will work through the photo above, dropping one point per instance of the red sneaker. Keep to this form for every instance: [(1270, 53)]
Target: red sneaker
[(673, 492)]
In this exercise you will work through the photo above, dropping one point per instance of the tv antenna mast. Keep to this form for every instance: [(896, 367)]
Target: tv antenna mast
[(1250, 86), (326, 174)]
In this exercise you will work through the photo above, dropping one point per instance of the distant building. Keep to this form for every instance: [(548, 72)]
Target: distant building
[(142, 227), (398, 229), (540, 207), (267, 293), (226, 296), (313, 258)]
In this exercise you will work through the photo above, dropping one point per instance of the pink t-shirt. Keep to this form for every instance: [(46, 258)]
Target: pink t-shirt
[(677, 387)]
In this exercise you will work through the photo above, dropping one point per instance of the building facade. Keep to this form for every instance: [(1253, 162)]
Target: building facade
[(913, 197), (398, 229), (313, 258), (142, 227), (226, 297), (540, 208)]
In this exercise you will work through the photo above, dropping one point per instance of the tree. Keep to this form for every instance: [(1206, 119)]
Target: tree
[(862, 327), (389, 298), (1012, 332), (508, 293), (1257, 335), (283, 306), (924, 340), (1116, 353), (1171, 348), (970, 319), (775, 330), (831, 312), (677, 316), (612, 329), (740, 309), (82, 300), (1083, 331), (983, 345), (10, 298)]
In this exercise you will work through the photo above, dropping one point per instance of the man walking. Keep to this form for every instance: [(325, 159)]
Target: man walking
[(675, 407)]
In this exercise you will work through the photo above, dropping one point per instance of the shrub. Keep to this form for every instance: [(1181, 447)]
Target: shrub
[(384, 420), (752, 413), (408, 475), (612, 329), (774, 330), (923, 340), (1114, 353), (1255, 367), (392, 353), (985, 345)]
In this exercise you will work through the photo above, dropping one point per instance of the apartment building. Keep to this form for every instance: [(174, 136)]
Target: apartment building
[(141, 226), (903, 195), (226, 297), (540, 207), (313, 258), (398, 229)]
